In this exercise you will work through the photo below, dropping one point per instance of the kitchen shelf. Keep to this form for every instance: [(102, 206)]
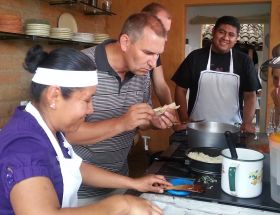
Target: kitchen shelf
[(19, 36), (56, 2), (88, 8), (94, 10)]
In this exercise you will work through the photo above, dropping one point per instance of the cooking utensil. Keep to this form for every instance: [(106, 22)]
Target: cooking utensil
[(196, 188), (242, 177), (203, 167), (211, 134), (231, 145), (179, 181)]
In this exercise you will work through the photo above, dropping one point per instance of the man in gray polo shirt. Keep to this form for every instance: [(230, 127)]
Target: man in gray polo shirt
[(122, 99)]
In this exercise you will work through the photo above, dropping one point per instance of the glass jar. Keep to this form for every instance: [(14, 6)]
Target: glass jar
[(106, 5), (94, 2)]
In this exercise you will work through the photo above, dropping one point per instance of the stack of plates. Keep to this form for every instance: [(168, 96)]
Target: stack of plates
[(99, 38), (61, 33), (83, 37), (10, 23), (37, 29)]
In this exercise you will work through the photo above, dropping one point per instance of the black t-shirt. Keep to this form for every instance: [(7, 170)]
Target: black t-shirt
[(188, 73)]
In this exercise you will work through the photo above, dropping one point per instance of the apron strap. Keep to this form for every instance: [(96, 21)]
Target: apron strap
[(209, 61)]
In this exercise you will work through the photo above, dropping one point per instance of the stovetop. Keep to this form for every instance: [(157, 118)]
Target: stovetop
[(178, 168)]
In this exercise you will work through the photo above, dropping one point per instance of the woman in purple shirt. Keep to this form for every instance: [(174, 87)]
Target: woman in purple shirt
[(40, 173)]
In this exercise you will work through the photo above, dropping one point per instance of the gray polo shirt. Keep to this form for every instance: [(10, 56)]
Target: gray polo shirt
[(112, 99)]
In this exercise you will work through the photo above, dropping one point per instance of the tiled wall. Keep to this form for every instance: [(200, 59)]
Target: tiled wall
[(14, 81)]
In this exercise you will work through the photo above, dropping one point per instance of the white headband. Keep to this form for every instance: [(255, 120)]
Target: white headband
[(65, 78)]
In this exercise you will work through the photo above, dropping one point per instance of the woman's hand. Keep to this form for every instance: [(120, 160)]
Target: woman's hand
[(139, 206), (151, 183), (122, 205)]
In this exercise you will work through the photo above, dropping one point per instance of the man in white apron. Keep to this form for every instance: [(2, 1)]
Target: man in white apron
[(220, 80)]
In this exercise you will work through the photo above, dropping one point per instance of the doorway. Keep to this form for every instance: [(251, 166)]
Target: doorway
[(198, 16)]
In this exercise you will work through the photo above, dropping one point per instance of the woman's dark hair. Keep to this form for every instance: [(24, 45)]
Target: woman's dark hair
[(228, 20), (64, 58)]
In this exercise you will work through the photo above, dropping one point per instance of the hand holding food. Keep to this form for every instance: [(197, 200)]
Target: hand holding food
[(160, 110), (137, 115), (151, 183), (165, 116)]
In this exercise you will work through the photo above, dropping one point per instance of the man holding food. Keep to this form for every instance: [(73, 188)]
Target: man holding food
[(222, 81), (122, 99)]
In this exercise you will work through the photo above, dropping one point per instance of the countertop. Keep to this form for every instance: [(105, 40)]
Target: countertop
[(214, 193)]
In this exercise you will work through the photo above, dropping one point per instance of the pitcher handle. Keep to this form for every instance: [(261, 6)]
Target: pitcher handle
[(232, 178)]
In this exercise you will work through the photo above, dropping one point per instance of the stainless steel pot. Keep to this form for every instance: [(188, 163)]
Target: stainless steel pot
[(211, 134)]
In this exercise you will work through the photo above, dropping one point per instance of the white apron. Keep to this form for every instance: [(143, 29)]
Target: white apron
[(217, 96), (70, 167)]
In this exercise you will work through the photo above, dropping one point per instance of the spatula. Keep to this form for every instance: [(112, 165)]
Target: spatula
[(196, 188)]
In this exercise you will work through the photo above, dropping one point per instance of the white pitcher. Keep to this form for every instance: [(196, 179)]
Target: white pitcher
[(242, 177)]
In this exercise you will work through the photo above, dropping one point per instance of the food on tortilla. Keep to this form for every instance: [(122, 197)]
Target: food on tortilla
[(200, 156), (161, 110)]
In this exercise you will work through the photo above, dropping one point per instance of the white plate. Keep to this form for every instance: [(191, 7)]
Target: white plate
[(67, 20), (38, 24), (38, 34), (83, 34), (100, 34), (61, 30), (61, 35), (57, 37), (37, 27), (83, 40), (37, 31)]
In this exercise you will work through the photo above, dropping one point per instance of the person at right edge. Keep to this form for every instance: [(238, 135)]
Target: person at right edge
[(222, 81), (274, 63)]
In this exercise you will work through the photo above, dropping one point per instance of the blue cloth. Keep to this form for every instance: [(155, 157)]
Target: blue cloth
[(25, 152), (179, 181)]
